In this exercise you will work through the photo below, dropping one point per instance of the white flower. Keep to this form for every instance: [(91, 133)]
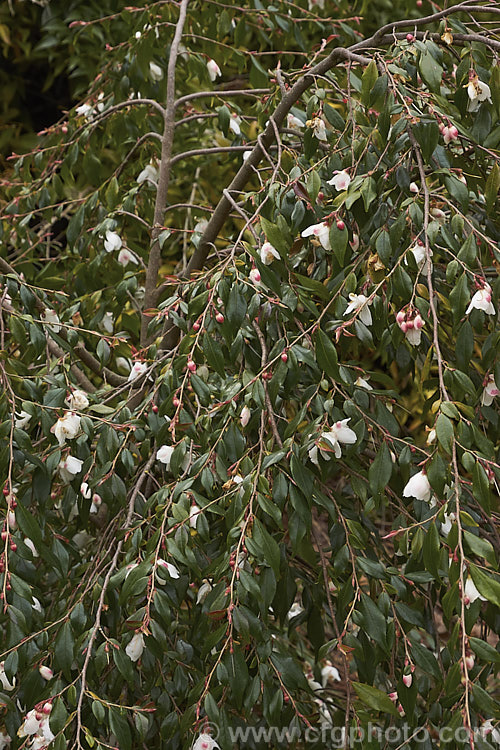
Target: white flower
[(164, 454), (69, 467), (85, 490), (5, 740), (213, 70), (22, 419), (96, 503), (316, 4), (318, 127), (138, 368), (321, 231), (135, 647), (245, 416), (329, 674), (246, 154), (339, 433), (471, 593), (419, 253), (482, 301), (200, 226), (66, 427), (194, 513), (51, 320), (413, 187), (254, 275), (234, 124), (293, 123), (359, 302), (362, 383), (487, 729), (126, 256), (36, 604), (313, 684), (112, 242), (171, 569), (205, 742), (414, 336), (77, 400), (447, 523), (30, 725), (29, 543), (148, 174), (45, 672), (418, 487), (11, 520), (107, 323), (203, 591), (489, 392), (431, 437), (354, 243), (6, 684), (268, 253), (155, 72), (85, 110), (340, 181), (294, 610), (478, 91)]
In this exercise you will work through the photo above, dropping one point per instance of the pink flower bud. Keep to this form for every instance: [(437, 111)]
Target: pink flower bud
[(418, 322), (175, 402), (400, 317), (196, 327), (340, 225), (407, 680), (410, 37), (284, 357), (191, 365), (469, 661), (409, 325), (45, 672), (255, 275), (393, 697), (47, 708), (96, 499), (219, 318), (403, 326), (453, 132)]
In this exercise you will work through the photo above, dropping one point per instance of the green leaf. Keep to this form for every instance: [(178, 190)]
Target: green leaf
[(430, 550), (380, 470), (313, 286), (481, 486), (213, 354), (368, 79), (492, 186), (112, 193), (120, 728), (426, 660), (427, 135), (444, 432), (236, 307), (430, 71), (326, 355), (375, 698), (275, 236), (58, 716), (63, 651), (484, 650), (486, 585), (480, 547), (267, 546)]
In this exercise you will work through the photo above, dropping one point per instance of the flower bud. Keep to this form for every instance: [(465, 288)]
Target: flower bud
[(400, 317), (407, 680), (245, 416), (410, 37), (219, 318), (45, 672), (196, 327), (340, 225), (284, 357), (191, 365)]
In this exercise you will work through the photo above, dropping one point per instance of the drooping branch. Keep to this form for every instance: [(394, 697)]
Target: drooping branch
[(164, 172)]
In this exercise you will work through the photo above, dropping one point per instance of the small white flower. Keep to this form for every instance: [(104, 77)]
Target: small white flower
[(203, 591), (318, 128), (340, 181), (359, 302), (490, 391), (5, 740), (30, 725), (69, 467), (112, 242), (447, 523), (419, 253), (22, 419), (268, 253), (77, 400), (362, 383), (66, 427), (414, 336), (413, 187), (471, 593), (107, 323), (171, 569), (213, 70), (339, 433), (439, 215), (482, 301), (164, 454), (431, 437), (316, 4), (85, 490), (329, 674), (245, 416), (148, 174), (11, 520), (321, 231), (254, 276), (51, 320), (294, 610), (194, 514), (36, 604), (85, 110), (6, 684), (126, 256), (487, 728), (205, 742), (135, 647), (29, 543), (418, 487), (45, 672), (155, 72), (234, 124), (96, 504), (293, 123), (246, 154), (138, 368), (478, 91)]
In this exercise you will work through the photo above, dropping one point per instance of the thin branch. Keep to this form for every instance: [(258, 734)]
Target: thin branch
[(222, 94)]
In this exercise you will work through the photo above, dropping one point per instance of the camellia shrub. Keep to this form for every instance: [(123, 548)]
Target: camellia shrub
[(250, 377)]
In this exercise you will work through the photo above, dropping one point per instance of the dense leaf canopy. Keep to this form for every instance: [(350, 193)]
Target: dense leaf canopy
[(250, 375)]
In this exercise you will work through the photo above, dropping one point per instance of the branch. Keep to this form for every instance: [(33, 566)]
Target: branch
[(231, 92), (203, 151), (164, 173)]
